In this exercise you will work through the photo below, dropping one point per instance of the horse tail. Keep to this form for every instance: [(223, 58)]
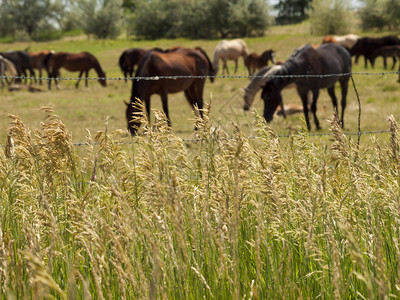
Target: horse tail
[(210, 65), (122, 65)]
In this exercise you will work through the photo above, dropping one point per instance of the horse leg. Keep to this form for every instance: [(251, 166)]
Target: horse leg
[(55, 76), (236, 65), (313, 107), (344, 85), (40, 76), (394, 62), (304, 100), (79, 79), (164, 100), (33, 75), (2, 72), (86, 80), (194, 95), (225, 67)]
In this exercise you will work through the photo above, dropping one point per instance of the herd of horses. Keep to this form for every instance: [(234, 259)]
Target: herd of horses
[(324, 64)]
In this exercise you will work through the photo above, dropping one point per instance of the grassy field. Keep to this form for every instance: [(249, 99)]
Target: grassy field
[(227, 217), (89, 108)]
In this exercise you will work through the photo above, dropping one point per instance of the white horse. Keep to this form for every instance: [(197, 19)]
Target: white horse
[(6, 65), (347, 41), (229, 50)]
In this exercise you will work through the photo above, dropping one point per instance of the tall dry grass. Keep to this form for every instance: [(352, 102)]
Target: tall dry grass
[(226, 217)]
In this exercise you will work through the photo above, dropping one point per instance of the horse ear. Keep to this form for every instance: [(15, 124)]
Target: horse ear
[(126, 103)]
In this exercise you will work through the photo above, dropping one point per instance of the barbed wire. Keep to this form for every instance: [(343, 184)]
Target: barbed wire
[(174, 77), (255, 137)]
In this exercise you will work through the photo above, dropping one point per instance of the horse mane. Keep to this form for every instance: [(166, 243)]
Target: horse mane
[(210, 65)]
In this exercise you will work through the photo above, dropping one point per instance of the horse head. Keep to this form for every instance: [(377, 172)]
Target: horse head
[(272, 97), (248, 98), (102, 79)]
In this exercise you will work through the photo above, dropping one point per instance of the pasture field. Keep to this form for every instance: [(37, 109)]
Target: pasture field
[(226, 217), (89, 108)]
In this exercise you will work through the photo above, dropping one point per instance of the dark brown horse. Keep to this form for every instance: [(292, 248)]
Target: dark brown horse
[(254, 61), (21, 61), (132, 57), (181, 62), (328, 59), (386, 51), (73, 62), (36, 59), (366, 46)]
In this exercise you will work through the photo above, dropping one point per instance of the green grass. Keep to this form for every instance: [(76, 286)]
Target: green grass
[(238, 213)]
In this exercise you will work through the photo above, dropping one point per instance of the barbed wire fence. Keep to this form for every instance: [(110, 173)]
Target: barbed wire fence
[(359, 133)]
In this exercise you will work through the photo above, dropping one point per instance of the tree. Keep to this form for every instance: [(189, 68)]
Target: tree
[(30, 16), (380, 13), (331, 17), (292, 11), (200, 18), (101, 18)]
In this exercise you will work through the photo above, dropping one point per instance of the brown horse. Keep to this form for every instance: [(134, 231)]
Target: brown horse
[(73, 62), (181, 62), (21, 61), (130, 58), (36, 59), (254, 61), (385, 52)]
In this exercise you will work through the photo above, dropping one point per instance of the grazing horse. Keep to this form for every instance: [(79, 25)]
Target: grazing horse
[(21, 61), (6, 65), (73, 62), (386, 51), (254, 61), (366, 46), (36, 59), (131, 57), (326, 60), (346, 41), (257, 84), (181, 62), (229, 50)]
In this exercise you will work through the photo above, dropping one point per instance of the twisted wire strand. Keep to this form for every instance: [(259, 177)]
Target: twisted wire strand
[(174, 77)]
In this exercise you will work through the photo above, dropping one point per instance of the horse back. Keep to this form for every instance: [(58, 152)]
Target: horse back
[(327, 59)]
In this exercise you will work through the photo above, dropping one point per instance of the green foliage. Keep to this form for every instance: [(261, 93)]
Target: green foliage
[(156, 19), (380, 14), (30, 16), (292, 11), (331, 17), (199, 19), (101, 18)]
